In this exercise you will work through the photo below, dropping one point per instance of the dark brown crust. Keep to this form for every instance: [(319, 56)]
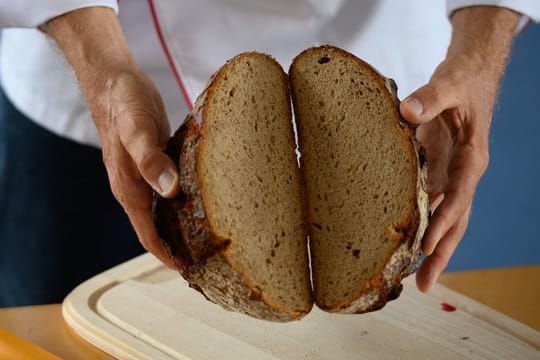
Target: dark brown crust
[(198, 253), (387, 285), (186, 235)]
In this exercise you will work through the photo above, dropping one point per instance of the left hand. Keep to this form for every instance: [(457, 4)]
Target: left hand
[(454, 113)]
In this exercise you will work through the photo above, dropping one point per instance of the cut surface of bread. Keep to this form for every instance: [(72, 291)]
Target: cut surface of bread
[(366, 205), (236, 230)]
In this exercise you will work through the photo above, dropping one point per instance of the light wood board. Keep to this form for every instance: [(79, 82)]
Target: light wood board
[(140, 310)]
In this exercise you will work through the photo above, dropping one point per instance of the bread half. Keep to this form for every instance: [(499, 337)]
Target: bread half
[(364, 176), (236, 230)]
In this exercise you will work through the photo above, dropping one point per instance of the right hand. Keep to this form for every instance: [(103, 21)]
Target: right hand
[(134, 130), (127, 111)]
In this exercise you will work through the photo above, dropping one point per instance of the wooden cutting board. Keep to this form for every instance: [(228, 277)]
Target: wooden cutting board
[(141, 310)]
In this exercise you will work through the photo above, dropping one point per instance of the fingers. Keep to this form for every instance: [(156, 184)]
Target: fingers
[(141, 138), (142, 222), (435, 199), (429, 101), (134, 130), (467, 167), (135, 196), (139, 120), (434, 265)]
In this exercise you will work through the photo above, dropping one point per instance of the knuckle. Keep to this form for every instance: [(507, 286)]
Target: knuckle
[(121, 187), (483, 160), (116, 189), (146, 160), (106, 156), (440, 258), (433, 93)]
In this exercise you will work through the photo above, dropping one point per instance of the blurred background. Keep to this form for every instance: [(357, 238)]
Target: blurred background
[(505, 224)]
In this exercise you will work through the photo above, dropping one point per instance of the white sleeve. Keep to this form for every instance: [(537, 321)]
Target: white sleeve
[(32, 13), (529, 8)]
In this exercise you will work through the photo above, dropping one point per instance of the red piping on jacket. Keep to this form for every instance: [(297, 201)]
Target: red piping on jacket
[(175, 71)]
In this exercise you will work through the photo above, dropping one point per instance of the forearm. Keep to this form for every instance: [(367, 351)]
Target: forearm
[(127, 111), (93, 42), (484, 35)]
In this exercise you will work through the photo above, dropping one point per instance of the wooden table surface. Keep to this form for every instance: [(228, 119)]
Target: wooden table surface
[(512, 291)]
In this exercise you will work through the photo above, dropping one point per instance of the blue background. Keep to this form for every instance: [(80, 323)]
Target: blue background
[(505, 224)]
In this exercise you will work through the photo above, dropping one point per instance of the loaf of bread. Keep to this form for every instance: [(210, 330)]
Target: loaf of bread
[(238, 230)]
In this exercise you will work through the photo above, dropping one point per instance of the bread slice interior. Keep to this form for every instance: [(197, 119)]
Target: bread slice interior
[(361, 175), (250, 184)]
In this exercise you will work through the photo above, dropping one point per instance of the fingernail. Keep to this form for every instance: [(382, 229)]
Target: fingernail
[(428, 250), (166, 182), (415, 106)]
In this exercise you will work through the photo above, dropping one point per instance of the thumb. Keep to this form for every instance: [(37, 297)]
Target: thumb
[(429, 101), (154, 165), (158, 170)]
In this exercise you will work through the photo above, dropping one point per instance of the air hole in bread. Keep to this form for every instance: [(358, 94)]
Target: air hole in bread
[(324, 60)]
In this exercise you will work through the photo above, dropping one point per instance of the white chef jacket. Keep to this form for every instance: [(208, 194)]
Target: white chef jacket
[(179, 44)]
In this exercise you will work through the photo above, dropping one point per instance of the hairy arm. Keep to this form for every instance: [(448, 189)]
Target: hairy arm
[(127, 111), (454, 112)]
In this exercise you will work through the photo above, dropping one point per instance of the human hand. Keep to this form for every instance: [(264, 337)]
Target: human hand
[(454, 125), (134, 130), (127, 111), (454, 113)]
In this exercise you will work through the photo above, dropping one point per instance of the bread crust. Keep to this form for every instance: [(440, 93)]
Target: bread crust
[(405, 259), (200, 254)]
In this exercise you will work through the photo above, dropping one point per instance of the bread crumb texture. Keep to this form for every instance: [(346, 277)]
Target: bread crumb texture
[(250, 185), (360, 170)]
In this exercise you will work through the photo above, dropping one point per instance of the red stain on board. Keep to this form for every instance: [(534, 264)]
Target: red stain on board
[(448, 307)]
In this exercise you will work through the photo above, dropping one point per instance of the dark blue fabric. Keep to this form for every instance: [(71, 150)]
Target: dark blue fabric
[(503, 230), (59, 223)]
